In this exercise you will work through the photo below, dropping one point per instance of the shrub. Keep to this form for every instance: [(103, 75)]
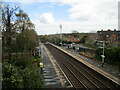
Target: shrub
[(14, 77), (23, 61), (112, 55), (32, 78), (11, 77)]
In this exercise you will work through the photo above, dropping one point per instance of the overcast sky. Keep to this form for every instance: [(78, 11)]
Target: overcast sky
[(80, 15)]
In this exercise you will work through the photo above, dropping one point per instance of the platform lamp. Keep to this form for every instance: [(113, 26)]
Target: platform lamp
[(103, 47), (61, 34)]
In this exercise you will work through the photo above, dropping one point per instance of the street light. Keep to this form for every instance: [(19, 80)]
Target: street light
[(103, 47), (55, 40), (61, 33)]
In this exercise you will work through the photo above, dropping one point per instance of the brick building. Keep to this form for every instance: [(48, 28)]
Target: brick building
[(73, 39), (109, 36)]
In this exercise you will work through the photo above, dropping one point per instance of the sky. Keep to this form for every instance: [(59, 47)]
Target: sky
[(79, 15)]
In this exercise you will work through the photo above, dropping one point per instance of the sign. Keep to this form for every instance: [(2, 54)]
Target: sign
[(103, 56)]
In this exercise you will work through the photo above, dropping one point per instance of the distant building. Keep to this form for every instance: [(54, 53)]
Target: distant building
[(91, 38), (109, 36), (73, 39)]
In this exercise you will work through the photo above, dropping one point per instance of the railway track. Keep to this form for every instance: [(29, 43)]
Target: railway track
[(79, 74)]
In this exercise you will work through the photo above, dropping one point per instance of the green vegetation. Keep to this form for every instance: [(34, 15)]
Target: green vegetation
[(19, 41), (23, 72), (88, 40), (90, 45), (18, 77), (55, 38), (75, 34), (83, 39), (112, 56)]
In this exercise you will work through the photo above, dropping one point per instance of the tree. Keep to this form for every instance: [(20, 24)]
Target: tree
[(83, 39), (8, 30), (18, 31), (27, 37), (27, 40), (75, 33), (22, 19)]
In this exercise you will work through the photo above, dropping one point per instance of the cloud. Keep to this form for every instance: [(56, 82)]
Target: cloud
[(83, 16), (44, 28), (68, 26), (31, 1), (47, 18), (21, 1), (93, 10)]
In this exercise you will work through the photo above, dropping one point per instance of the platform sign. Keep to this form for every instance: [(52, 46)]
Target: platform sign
[(103, 56)]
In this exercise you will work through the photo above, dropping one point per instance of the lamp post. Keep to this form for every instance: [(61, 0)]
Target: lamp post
[(61, 33), (54, 40), (103, 47)]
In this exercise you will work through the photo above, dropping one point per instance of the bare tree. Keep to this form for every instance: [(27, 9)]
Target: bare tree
[(75, 33)]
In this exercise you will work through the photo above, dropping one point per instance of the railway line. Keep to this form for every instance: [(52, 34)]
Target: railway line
[(80, 75)]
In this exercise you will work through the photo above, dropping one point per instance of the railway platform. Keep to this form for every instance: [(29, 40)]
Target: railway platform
[(114, 72), (107, 71)]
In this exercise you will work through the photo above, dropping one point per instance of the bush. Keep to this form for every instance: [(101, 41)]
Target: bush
[(32, 78), (112, 55), (11, 77), (14, 77), (23, 61)]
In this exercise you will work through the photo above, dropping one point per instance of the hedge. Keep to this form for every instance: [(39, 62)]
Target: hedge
[(112, 55)]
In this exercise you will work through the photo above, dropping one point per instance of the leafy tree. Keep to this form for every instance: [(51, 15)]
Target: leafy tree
[(83, 39), (27, 37), (19, 35), (22, 19), (8, 29)]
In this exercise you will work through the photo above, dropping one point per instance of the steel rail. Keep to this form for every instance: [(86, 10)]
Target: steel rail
[(78, 69), (72, 77)]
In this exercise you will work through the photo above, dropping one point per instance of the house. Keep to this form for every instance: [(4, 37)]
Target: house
[(109, 36), (91, 38), (73, 39)]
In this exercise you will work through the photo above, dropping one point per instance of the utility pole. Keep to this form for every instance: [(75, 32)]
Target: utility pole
[(61, 34)]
